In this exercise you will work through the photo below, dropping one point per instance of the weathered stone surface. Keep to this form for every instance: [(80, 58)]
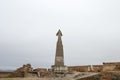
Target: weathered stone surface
[(22, 71), (111, 66), (5, 74), (97, 68), (79, 68), (59, 58), (59, 67)]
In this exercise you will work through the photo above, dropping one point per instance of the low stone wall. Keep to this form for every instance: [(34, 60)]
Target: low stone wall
[(79, 68), (4, 74), (97, 68), (111, 66)]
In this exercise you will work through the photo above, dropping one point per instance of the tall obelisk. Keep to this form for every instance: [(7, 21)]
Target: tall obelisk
[(59, 58), (59, 66)]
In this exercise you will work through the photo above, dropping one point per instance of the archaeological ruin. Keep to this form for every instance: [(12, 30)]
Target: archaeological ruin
[(59, 71)]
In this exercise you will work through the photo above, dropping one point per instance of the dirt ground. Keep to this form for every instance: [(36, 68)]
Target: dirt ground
[(26, 79)]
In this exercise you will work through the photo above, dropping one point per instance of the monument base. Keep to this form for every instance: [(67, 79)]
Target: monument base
[(59, 71)]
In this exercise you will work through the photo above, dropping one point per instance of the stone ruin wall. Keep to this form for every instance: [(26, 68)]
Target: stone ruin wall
[(28, 71), (96, 68), (89, 68), (22, 71), (112, 66), (111, 71), (79, 68), (5, 74), (107, 70)]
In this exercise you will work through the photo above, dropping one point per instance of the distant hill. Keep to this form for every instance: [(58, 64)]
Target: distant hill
[(7, 70)]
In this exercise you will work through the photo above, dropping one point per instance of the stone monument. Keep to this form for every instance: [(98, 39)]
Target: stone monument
[(59, 67)]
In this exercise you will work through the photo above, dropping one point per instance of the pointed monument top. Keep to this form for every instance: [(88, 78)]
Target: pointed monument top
[(59, 33)]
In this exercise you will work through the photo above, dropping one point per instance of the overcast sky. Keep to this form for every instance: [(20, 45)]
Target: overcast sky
[(91, 32)]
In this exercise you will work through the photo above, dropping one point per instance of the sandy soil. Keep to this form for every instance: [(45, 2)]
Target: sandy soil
[(26, 79)]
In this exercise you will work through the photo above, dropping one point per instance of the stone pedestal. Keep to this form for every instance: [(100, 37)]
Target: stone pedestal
[(60, 69)]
